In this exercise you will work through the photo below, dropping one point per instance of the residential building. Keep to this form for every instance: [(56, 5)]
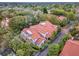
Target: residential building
[(61, 18), (39, 33), (71, 48)]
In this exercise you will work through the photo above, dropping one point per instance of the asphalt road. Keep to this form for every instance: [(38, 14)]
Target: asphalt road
[(44, 53)]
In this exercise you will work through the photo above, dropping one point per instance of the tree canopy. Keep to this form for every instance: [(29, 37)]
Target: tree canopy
[(18, 23), (53, 50)]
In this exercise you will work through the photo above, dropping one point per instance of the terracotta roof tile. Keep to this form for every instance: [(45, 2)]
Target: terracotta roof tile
[(41, 28), (71, 48), (61, 17)]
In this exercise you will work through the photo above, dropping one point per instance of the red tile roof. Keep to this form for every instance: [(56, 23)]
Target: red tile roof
[(71, 48), (41, 28), (61, 17)]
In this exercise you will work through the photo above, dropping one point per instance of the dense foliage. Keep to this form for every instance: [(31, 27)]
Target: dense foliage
[(69, 14), (58, 12), (53, 50), (63, 41), (45, 10), (59, 22), (21, 48), (18, 23), (25, 15)]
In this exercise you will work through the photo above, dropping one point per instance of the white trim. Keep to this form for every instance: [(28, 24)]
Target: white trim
[(29, 32)]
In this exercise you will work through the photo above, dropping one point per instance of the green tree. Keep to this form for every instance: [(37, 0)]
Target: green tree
[(23, 13), (2, 31), (64, 22), (45, 10), (41, 17), (71, 16), (5, 13), (73, 31), (3, 40), (53, 50), (58, 12), (59, 22), (20, 52), (54, 20), (8, 13), (18, 23), (1, 18), (21, 48), (63, 41), (56, 6), (53, 35), (32, 20)]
